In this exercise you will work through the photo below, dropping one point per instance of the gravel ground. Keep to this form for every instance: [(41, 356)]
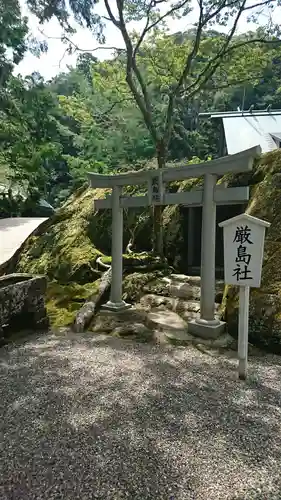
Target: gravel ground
[(96, 417)]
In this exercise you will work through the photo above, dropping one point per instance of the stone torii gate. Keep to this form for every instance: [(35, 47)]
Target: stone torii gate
[(208, 197)]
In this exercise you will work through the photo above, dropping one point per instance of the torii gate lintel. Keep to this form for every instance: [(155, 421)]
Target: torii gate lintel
[(208, 196)]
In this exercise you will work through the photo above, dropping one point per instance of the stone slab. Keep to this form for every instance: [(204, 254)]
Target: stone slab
[(186, 306), (206, 331), (132, 329), (152, 301), (185, 291), (183, 278), (107, 321), (179, 336), (167, 321), (22, 301)]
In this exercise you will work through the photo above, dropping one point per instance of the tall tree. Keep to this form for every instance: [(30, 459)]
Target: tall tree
[(13, 31), (32, 136), (152, 15)]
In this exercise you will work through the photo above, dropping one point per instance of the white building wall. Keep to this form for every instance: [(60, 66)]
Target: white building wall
[(243, 132)]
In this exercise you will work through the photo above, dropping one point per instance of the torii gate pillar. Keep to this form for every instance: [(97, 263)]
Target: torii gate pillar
[(207, 326), (116, 303)]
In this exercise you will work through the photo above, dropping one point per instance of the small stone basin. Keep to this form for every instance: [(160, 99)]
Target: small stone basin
[(22, 303)]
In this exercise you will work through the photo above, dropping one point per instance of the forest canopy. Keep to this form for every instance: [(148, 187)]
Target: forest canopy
[(135, 110)]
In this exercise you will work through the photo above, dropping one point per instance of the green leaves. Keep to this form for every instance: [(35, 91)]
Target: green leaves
[(30, 134), (118, 114), (158, 69), (13, 31)]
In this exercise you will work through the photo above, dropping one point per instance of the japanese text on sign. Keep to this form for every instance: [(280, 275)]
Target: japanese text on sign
[(242, 267), (243, 238)]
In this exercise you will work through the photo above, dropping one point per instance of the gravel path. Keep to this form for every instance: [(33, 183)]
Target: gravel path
[(13, 232), (97, 417)]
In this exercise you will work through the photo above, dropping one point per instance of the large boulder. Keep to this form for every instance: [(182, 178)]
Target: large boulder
[(265, 302), (22, 303), (72, 249)]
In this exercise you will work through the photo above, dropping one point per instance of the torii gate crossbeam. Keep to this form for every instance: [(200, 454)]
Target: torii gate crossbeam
[(208, 197)]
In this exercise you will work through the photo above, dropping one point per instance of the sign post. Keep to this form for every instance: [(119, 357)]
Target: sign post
[(244, 296), (243, 238)]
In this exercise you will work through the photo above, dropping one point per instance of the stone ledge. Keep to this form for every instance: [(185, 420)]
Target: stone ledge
[(206, 330)]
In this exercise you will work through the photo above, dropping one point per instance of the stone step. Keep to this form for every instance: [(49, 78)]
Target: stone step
[(191, 280), (184, 291), (187, 306), (187, 309), (182, 286), (182, 338), (166, 321), (152, 301), (183, 278), (188, 287), (172, 327), (224, 341)]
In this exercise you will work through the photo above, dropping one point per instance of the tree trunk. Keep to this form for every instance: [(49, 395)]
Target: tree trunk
[(158, 242)]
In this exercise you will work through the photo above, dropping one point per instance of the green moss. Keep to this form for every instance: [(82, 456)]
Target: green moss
[(136, 284), (265, 303), (63, 301), (64, 252), (143, 260)]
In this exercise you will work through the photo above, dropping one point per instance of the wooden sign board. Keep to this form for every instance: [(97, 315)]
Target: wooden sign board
[(243, 250), (243, 238)]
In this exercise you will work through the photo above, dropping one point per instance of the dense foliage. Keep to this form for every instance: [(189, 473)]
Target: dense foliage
[(91, 118)]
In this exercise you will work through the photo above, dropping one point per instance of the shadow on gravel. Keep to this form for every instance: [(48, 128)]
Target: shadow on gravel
[(96, 417)]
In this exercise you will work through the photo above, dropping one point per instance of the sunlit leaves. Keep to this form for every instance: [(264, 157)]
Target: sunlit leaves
[(30, 133), (13, 31)]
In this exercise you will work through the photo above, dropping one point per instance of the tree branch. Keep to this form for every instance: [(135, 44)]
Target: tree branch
[(142, 100), (232, 83), (111, 16), (148, 26), (201, 23), (170, 108), (219, 57), (193, 52), (259, 4), (111, 107), (225, 50), (253, 40), (145, 30), (213, 64), (76, 47)]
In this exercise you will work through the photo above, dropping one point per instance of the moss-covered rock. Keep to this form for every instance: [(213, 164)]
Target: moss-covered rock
[(136, 284), (63, 301), (265, 302), (127, 324), (139, 261)]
